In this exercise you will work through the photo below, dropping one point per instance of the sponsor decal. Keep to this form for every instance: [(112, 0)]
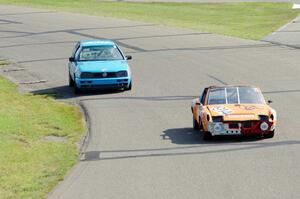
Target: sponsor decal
[(222, 110), (248, 108)]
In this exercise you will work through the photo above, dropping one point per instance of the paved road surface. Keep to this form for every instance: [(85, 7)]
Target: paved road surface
[(141, 143), (287, 35)]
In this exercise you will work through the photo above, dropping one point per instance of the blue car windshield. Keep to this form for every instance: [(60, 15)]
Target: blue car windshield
[(235, 95), (100, 53)]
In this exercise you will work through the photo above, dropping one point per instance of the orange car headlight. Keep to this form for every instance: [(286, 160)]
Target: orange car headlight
[(264, 126)]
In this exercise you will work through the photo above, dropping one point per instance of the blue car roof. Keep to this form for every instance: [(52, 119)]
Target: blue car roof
[(98, 42)]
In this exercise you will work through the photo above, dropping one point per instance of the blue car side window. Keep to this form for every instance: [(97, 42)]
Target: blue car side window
[(75, 51), (120, 52)]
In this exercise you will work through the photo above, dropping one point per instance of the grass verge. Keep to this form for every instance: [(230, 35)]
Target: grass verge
[(245, 20), (30, 165), (4, 62)]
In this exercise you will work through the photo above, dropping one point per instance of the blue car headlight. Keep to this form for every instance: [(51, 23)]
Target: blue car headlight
[(122, 73), (77, 73)]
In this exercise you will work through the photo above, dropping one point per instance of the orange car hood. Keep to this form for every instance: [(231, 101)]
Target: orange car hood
[(239, 112)]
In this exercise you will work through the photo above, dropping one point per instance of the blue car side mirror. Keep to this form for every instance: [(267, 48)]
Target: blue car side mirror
[(128, 57)]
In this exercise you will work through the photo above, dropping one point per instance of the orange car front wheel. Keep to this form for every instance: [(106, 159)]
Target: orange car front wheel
[(207, 135), (195, 124), (269, 134)]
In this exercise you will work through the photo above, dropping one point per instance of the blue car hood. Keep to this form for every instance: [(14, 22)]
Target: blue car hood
[(102, 66)]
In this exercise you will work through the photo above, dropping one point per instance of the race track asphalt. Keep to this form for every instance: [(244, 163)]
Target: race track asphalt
[(288, 34), (141, 143)]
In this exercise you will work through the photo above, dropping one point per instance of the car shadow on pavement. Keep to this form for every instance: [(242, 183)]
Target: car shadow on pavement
[(65, 92), (191, 136), (212, 147), (182, 136), (192, 145)]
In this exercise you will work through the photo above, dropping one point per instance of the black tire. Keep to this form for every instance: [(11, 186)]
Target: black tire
[(129, 87), (195, 124), (71, 81), (207, 136), (76, 89), (270, 134)]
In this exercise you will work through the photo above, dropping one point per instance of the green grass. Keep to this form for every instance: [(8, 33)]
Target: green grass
[(31, 166), (4, 62), (246, 20)]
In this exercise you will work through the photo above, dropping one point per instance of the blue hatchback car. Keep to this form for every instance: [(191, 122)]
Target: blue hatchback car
[(99, 64)]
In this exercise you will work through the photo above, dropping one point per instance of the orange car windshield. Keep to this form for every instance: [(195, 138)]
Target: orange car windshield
[(235, 95)]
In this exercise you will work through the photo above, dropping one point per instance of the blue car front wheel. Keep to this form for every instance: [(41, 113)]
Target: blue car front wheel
[(71, 81), (129, 87), (76, 89)]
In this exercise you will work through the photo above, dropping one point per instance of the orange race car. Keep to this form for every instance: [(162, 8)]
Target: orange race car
[(233, 110)]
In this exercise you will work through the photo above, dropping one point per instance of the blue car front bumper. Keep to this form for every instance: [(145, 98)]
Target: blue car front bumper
[(102, 83)]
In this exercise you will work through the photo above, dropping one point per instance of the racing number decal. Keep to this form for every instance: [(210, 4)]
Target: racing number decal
[(222, 110)]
